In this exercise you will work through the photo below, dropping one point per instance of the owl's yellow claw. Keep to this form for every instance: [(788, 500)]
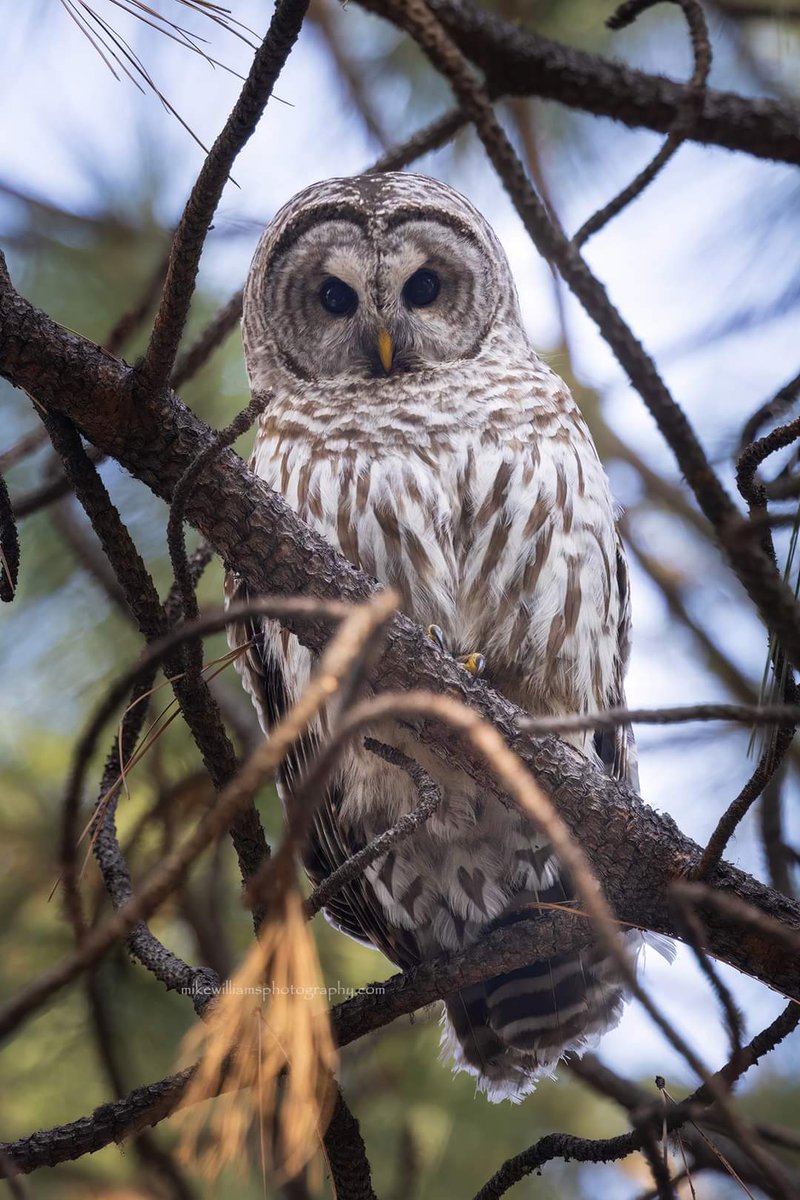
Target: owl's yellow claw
[(475, 663)]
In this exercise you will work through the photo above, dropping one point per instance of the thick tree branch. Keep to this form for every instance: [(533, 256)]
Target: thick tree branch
[(373, 1008), (143, 1107), (517, 62), (635, 852)]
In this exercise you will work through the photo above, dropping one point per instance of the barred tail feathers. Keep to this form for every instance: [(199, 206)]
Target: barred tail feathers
[(511, 1031)]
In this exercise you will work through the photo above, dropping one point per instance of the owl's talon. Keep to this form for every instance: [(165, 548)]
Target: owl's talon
[(475, 663), (436, 635)]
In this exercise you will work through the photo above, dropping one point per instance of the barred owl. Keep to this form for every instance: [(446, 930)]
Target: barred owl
[(411, 423)]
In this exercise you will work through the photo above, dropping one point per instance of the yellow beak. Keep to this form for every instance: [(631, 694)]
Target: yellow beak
[(385, 349)]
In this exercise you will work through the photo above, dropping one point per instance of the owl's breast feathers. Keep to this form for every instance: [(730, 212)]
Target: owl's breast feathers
[(487, 509)]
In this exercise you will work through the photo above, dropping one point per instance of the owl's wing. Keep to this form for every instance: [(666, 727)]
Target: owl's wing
[(616, 747), (354, 910)]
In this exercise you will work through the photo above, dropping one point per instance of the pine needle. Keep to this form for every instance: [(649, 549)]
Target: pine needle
[(120, 58), (152, 733), (715, 1150), (268, 1042)]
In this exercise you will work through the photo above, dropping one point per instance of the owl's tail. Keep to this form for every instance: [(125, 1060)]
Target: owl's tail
[(512, 1030)]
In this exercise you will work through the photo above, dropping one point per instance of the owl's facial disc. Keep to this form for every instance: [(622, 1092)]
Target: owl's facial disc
[(411, 295)]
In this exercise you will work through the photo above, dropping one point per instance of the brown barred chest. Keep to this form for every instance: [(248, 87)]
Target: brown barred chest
[(508, 547)]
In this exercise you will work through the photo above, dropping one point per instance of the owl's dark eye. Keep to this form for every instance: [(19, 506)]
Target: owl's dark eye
[(338, 298), (421, 288)]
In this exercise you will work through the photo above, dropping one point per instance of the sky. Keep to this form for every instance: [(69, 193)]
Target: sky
[(712, 229)]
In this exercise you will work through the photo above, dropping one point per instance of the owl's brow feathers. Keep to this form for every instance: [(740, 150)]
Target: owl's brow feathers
[(378, 201), (370, 223)]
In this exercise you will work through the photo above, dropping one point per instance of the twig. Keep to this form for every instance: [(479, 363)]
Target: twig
[(694, 1132), (735, 910), (189, 239), (176, 975), (725, 828), (130, 321), (559, 1145), (118, 546), (430, 138), (660, 491), (48, 493), (765, 1041), (109, 1123), (134, 580), (776, 745), (29, 443), (754, 454), (346, 1154), (725, 1078), (10, 1172), (430, 797), (776, 407), (207, 341), (175, 536), (694, 935), (163, 964), (88, 554), (717, 661), (772, 834), (9, 546), (684, 121), (659, 1167), (611, 718), (784, 1024), (325, 16)]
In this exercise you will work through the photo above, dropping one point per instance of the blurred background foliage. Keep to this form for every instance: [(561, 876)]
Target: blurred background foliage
[(705, 268)]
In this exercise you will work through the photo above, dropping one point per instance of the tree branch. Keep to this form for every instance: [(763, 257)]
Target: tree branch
[(635, 852), (684, 122), (190, 236), (517, 62)]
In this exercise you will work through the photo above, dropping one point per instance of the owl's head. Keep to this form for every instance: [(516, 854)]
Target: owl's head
[(373, 276)]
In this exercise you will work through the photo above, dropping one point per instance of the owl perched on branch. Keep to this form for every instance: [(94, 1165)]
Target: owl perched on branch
[(414, 427)]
